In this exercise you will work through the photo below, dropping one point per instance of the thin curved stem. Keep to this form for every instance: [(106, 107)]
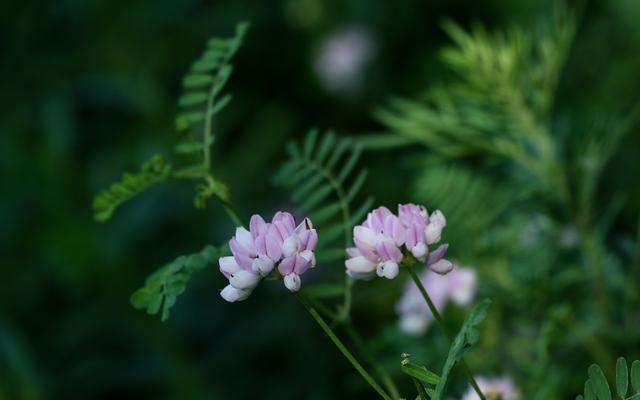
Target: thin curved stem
[(440, 322), (338, 343)]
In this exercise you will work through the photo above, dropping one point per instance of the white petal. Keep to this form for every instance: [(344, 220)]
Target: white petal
[(244, 280), (231, 294), (310, 257), (292, 282), (228, 265), (365, 236), (262, 265), (419, 251), (388, 269), (363, 277), (291, 246), (243, 237), (360, 265)]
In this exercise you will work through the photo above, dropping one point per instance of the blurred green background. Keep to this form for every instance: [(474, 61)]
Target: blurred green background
[(89, 89)]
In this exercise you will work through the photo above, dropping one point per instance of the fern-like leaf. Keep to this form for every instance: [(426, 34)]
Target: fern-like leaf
[(499, 101), (320, 174), (162, 287), (153, 171)]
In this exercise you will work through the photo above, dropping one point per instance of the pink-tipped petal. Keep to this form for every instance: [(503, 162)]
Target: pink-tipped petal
[(273, 247), (387, 250), (241, 254), (364, 236), (437, 254), (244, 237), (442, 267), (286, 266), (257, 226), (301, 265), (353, 252)]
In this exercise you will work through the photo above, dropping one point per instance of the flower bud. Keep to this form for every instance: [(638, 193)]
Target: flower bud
[(441, 267), (388, 269), (231, 294), (292, 282), (419, 251), (244, 280)]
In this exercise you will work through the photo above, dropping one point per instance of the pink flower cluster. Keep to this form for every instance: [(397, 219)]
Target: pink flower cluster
[(380, 238), (258, 250), (458, 286)]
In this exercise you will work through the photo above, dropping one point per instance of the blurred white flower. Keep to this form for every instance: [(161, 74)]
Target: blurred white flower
[(341, 58), (501, 388), (458, 286)]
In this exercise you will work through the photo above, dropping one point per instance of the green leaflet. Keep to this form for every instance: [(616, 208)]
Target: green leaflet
[(162, 287), (153, 171), (319, 173), (597, 387), (467, 336)]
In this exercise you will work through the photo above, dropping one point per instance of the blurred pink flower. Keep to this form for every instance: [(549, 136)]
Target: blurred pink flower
[(501, 388), (256, 252), (341, 58), (458, 286)]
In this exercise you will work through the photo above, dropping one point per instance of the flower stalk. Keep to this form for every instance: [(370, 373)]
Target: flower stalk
[(343, 349), (440, 322)]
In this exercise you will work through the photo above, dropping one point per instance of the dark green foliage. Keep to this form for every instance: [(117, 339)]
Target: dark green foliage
[(324, 186), (153, 171), (467, 337), (162, 288), (597, 387)]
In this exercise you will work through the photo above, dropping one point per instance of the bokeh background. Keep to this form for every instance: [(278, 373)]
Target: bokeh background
[(89, 89)]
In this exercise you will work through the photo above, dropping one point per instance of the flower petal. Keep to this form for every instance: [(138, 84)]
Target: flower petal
[(360, 265)]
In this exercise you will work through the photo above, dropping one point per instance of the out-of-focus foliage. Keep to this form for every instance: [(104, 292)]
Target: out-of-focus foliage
[(93, 91)]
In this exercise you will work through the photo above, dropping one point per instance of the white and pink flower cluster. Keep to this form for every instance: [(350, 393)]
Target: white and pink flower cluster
[(257, 251), (458, 286), (380, 238)]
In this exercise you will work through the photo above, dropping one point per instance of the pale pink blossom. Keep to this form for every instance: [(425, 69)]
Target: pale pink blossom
[(255, 253), (380, 240), (342, 57), (458, 286), (502, 388)]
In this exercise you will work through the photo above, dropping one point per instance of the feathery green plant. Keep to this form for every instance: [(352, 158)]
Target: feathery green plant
[(162, 287), (499, 102), (198, 105), (153, 171), (325, 187)]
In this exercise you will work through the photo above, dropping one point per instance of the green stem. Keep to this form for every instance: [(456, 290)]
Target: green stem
[(342, 348), (382, 373), (421, 394), (440, 322)]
